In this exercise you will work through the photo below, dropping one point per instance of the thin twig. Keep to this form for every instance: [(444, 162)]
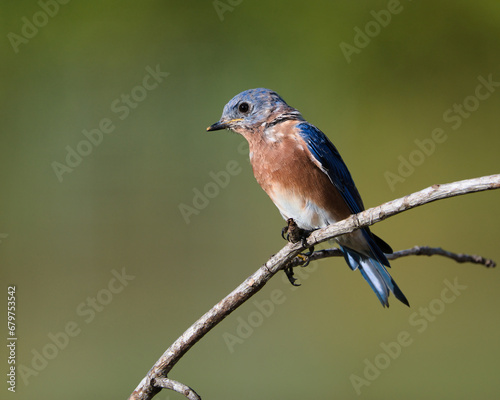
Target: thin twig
[(438, 251), (178, 387), (149, 386), (414, 251)]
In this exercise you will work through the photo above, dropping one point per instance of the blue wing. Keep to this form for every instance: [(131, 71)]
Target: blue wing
[(372, 266), (328, 156), (331, 161)]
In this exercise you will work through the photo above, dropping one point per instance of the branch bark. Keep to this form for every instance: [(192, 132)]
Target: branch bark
[(156, 378)]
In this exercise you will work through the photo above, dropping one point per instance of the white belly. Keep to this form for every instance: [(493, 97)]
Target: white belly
[(306, 214)]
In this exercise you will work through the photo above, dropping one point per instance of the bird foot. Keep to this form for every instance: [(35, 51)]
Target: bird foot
[(294, 234), (289, 275), (304, 262)]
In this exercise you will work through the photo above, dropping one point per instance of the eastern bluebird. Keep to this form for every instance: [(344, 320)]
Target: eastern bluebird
[(306, 178)]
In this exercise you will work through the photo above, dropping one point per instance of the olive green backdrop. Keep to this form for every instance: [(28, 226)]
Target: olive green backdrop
[(119, 239)]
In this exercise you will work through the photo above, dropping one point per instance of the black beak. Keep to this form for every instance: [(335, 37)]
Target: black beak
[(217, 126)]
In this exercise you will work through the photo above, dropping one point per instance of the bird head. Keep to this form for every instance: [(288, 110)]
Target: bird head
[(254, 108)]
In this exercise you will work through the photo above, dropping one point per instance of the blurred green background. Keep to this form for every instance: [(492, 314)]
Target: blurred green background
[(118, 208)]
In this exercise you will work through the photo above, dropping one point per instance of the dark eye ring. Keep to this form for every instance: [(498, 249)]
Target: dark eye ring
[(243, 107)]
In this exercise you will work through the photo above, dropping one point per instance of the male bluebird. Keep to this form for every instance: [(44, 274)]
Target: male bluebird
[(304, 175)]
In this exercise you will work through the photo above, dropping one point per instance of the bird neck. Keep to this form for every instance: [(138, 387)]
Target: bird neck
[(288, 115)]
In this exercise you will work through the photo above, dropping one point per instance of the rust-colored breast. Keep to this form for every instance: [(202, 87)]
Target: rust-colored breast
[(283, 166)]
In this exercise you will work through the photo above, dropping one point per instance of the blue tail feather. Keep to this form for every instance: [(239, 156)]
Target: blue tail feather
[(375, 274)]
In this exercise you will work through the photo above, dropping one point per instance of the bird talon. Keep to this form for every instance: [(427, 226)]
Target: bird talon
[(293, 233), (284, 233), (289, 275), (305, 259), (310, 251)]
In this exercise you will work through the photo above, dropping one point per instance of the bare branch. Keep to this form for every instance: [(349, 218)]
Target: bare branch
[(152, 383), (386, 210), (414, 251), (178, 387), (438, 251)]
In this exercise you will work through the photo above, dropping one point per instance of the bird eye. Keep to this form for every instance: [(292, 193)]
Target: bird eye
[(243, 107)]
